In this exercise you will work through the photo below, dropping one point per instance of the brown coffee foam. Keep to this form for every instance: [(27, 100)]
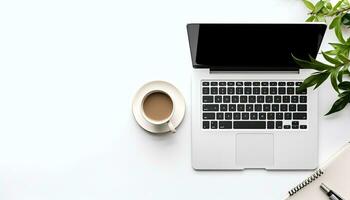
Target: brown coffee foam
[(158, 106)]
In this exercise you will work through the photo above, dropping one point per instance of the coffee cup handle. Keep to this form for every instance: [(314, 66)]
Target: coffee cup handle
[(171, 127)]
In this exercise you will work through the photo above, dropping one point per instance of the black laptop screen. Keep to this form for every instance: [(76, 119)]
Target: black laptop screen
[(253, 46)]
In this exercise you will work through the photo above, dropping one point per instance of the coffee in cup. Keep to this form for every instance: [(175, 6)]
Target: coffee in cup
[(158, 108)]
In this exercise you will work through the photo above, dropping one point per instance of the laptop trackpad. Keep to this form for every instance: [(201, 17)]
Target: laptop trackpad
[(254, 150)]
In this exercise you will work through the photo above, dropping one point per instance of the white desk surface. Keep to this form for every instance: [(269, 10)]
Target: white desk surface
[(68, 72)]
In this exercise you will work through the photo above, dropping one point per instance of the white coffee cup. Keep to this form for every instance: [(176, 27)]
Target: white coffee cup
[(156, 103)]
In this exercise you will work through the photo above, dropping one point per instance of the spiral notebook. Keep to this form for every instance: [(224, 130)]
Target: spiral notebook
[(335, 173)]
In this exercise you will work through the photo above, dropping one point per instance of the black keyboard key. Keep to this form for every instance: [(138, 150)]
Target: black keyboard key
[(226, 99), (278, 124), (292, 107), (273, 83), (205, 83), (277, 99), (286, 99), (247, 83), (294, 99), (256, 83), (279, 115), (266, 107), (228, 116), (222, 90), (298, 83), (252, 99), (240, 107), (243, 99), (214, 83), (303, 99), (281, 83), (282, 90), (262, 116), (275, 107), (205, 124), (213, 124), (245, 115), (286, 126), (236, 115), (295, 126), (210, 107), (260, 99), (249, 107), (218, 99), (239, 83), (231, 83), (270, 116), (268, 99), (239, 90), (283, 107), (298, 91), (303, 126), (273, 90), (302, 107), (205, 90), (290, 83), (295, 122), (290, 90), (208, 115), (208, 99), (264, 90), (249, 124), (287, 116), (253, 116), (225, 124), (256, 90), (258, 107), (219, 115), (230, 90), (223, 107), (235, 99), (301, 116), (248, 90), (264, 83), (270, 124), (214, 90), (232, 107), (222, 83)]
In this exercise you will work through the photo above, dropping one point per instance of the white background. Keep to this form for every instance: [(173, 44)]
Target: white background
[(68, 72)]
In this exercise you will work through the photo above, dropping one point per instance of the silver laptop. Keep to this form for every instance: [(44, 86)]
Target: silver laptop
[(246, 109)]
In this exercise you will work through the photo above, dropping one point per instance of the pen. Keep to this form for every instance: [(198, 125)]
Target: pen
[(330, 193)]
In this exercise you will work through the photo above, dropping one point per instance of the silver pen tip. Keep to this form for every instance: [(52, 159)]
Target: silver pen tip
[(325, 188)]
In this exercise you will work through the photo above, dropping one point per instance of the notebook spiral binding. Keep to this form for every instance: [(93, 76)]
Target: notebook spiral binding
[(306, 182)]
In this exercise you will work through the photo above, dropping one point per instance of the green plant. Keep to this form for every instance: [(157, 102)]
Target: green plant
[(337, 65)]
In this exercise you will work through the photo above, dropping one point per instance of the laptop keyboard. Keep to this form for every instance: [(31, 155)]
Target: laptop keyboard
[(253, 105)]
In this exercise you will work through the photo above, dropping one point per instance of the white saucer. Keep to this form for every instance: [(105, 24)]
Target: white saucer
[(174, 93)]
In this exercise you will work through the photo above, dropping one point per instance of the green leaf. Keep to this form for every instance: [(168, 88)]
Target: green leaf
[(319, 5), (323, 76), (340, 76), (316, 79), (339, 34), (320, 64), (343, 58), (344, 85), (337, 5), (331, 60), (309, 5), (339, 104), (311, 65), (346, 19), (310, 19), (334, 22), (334, 76)]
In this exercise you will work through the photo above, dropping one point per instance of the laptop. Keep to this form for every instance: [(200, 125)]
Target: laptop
[(246, 109)]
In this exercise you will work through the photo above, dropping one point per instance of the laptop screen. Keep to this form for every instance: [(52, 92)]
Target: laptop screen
[(255, 47)]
